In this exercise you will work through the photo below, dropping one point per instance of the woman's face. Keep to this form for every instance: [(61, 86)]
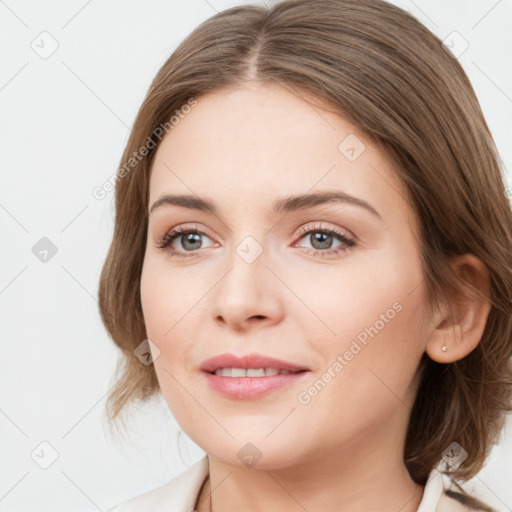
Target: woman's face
[(334, 288)]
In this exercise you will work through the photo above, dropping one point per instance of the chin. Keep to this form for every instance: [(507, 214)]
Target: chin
[(257, 453)]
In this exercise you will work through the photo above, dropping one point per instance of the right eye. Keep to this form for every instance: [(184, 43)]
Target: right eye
[(190, 239)]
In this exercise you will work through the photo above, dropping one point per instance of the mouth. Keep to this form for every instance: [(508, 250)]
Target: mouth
[(251, 376), (249, 365), (252, 372)]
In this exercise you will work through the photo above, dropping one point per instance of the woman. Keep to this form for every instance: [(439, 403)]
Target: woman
[(311, 261)]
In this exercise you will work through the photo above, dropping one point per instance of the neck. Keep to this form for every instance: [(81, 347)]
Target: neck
[(370, 478)]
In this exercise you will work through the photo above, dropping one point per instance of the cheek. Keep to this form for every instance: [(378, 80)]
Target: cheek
[(380, 288), (168, 297), (167, 305), (173, 307), (154, 300), (367, 372), (376, 314)]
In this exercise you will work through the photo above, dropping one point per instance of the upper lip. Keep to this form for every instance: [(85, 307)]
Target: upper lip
[(248, 361)]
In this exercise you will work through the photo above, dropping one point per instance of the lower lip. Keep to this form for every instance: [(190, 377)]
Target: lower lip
[(247, 388)]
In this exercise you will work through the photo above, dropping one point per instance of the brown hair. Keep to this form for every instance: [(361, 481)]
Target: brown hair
[(387, 74)]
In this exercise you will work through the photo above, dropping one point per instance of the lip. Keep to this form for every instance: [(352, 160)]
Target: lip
[(248, 361), (249, 388)]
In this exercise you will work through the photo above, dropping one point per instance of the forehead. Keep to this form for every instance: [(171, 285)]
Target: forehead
[(249, 145)]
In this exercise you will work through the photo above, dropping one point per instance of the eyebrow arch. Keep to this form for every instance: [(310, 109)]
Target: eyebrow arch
[(282, 205)]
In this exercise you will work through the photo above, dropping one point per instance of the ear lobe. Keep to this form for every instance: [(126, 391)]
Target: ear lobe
[(460, 323)]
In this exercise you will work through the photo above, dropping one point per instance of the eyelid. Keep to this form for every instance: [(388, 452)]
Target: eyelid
[(176, 231), (346, 238), (305, 229), (348, 241), (319, 226)]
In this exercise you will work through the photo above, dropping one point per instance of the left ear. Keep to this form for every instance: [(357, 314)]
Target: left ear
[(460, 323)]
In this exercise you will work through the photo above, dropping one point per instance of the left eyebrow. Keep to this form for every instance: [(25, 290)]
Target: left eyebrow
[(281, 205)]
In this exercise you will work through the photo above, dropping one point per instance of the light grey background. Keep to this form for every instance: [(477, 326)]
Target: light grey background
[(64, 121)]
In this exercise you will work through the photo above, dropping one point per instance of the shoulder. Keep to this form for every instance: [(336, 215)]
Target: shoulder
[(179, 494)]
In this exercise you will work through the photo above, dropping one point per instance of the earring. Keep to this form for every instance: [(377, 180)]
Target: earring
[(444, 348)]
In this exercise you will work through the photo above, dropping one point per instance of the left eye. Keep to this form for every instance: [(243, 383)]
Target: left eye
[(322, 239)]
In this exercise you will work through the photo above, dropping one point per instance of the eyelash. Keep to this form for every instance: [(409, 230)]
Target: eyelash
[(169, 237)]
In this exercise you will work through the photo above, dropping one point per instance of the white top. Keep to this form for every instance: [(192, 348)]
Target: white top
[(181, 493)]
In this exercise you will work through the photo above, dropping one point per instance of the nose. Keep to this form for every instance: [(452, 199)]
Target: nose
[(248, 295)]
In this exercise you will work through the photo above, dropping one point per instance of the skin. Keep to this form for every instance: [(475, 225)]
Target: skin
[(242, 149)]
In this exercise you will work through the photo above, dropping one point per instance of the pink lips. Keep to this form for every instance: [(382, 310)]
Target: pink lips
[(248, 361), (249, 387)]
